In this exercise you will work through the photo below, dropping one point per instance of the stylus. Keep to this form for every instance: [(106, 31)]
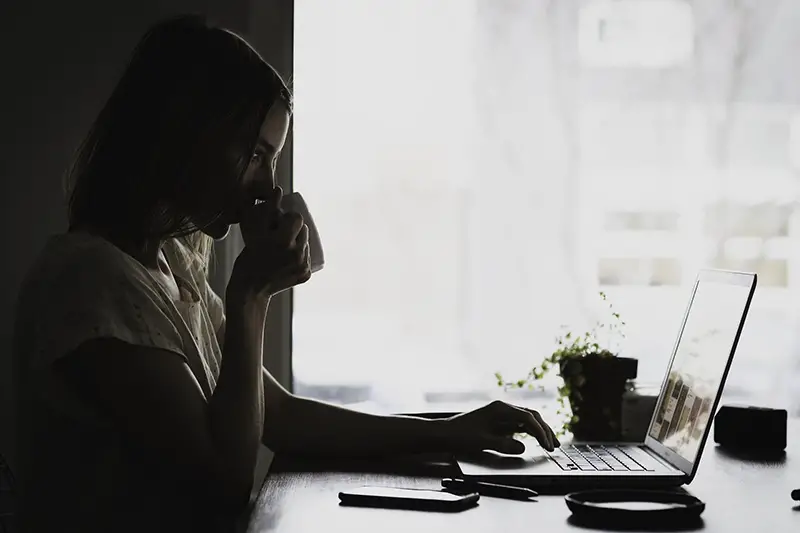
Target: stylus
[(490, 489)]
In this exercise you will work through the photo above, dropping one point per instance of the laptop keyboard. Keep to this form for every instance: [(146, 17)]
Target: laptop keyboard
[(594, 458)]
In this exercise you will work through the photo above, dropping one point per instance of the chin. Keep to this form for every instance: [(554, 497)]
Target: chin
[(217, 230)]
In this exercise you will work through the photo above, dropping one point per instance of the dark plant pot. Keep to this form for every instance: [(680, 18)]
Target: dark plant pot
[(596, 386)]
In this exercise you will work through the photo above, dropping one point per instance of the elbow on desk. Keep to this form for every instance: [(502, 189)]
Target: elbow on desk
[(230, 496), (275, 440), (220, 490), (279, 417)]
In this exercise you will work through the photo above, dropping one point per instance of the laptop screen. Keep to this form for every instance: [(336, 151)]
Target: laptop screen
[(701, 355)]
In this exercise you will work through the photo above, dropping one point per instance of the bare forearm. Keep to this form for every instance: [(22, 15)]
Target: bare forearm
[(236, 408), (309, 427)]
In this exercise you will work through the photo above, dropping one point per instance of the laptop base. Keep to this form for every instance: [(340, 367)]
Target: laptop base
[(539, 470)]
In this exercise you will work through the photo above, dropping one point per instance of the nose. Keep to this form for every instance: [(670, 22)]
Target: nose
[(261, 188)]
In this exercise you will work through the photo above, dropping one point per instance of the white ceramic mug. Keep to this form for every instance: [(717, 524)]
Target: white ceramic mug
[(294, 202)]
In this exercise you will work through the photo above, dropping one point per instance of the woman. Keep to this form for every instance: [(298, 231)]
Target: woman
[(142, 397)]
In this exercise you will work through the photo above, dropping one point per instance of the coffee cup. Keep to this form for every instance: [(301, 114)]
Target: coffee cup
[(294, 202)]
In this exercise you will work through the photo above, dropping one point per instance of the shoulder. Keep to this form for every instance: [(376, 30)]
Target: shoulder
[(82, 262), (77, 271), (83, 287)]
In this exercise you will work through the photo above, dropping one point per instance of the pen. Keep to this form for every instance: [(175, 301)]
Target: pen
[(796, 495), (489, 489)]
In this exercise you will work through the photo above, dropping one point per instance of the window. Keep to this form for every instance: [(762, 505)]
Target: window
[(479, 170), (635, 33)]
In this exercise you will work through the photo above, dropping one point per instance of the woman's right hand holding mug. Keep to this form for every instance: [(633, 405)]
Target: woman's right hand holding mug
[(276, 252)]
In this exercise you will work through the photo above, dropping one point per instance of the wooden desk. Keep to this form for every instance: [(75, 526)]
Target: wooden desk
[(302, 496)]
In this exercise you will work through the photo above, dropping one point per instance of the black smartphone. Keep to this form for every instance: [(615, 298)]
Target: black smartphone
[(412, 499)]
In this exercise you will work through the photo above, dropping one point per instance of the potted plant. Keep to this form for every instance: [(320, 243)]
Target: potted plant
[(594, 379)]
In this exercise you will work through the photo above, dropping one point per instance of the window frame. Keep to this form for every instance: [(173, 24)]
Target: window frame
[(270, 30)]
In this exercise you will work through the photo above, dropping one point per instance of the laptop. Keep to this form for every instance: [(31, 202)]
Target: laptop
[(680, 425)]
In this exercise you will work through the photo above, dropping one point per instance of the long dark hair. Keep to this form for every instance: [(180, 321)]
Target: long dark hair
[(185, 115)]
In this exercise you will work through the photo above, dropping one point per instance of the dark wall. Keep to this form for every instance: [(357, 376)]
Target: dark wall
[(58, 64)]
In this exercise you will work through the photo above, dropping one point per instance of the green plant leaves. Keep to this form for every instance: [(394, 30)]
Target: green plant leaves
[(571, 346)]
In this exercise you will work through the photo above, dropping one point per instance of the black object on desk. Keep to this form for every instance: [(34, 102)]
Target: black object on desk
[(407, 498), (640, 508), (460, 486), (751, 428), (796, 495)]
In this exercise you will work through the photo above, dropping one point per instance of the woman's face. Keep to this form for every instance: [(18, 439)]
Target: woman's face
[(259, 177)]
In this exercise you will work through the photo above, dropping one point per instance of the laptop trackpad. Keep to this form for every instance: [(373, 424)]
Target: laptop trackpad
[(497, 464)]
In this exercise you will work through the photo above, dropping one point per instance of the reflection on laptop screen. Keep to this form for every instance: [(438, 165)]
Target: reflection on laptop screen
[(696, 372)]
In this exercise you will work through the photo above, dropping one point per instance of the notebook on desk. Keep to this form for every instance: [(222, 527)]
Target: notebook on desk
[(690, 393)]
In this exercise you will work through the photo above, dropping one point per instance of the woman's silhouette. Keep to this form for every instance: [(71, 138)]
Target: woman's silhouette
[(142, 399)]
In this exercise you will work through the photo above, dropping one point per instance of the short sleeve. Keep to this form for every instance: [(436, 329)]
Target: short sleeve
[(97, 294)]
